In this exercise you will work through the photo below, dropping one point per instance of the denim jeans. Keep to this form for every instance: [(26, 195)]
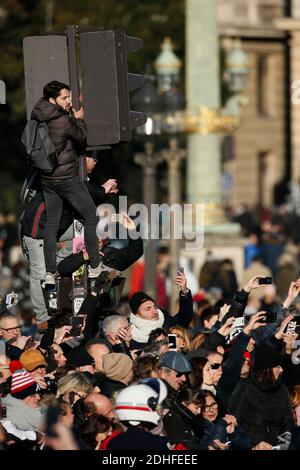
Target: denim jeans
[(75, 192), (37, 272)]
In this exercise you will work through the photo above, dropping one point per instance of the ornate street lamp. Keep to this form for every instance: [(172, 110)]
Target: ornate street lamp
[(237, 68), (148, 100), (168, 67)]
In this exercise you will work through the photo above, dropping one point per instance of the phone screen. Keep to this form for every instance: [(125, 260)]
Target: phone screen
[(172, 341), (76, 323)]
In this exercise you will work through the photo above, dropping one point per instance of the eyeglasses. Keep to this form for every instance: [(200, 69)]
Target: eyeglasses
[(213, 406), (11, 330), (215, 365)]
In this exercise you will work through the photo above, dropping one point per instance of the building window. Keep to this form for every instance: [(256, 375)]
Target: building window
[(262, 86)]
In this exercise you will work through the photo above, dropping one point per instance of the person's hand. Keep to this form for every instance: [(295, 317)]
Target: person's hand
[(262, 446), (217, 445), (125, 334), (223, 311), (227, 327), (61, 334), (78, 114), (254, 322), (127, 222), (289, 341), (40, 438), (181, 282), (253, 283), (64, 440), (134, 353), (41, 382), (110, 186), (280, 333), (232, 423), (293, 292)]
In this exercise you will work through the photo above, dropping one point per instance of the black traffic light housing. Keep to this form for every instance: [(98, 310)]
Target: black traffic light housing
[(106, 84), (97, 59)]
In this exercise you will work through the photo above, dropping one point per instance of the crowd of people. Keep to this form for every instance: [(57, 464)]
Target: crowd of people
[(221, 373)]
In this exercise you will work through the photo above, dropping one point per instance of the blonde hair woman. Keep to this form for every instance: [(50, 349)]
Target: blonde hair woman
[(183, 338), (73, 386)]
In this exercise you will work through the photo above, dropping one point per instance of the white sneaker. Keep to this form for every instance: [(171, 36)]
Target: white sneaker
[(50, 278), (94, 272)]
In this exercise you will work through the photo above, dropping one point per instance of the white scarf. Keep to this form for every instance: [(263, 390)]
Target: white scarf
[(141, 328)]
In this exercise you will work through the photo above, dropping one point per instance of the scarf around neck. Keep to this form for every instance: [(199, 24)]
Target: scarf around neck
[(142, 328)]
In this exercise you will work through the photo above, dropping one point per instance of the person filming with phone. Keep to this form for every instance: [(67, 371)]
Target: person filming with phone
[(146, 316)]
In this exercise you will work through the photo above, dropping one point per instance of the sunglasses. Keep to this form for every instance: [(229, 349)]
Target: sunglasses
[(180, 374), (215, 366)]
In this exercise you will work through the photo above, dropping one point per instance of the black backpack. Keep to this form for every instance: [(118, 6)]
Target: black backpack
[(39, 146)]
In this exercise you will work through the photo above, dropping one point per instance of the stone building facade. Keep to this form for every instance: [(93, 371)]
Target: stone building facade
[(260, 152)]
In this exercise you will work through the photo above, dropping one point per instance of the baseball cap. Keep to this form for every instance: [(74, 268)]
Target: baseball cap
[(32, 358), (176, 361)]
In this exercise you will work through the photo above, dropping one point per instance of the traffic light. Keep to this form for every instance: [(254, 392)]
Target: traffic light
[(45, 59), (100, 62), (106, 85)]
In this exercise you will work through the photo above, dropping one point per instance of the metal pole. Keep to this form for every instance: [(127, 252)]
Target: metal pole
[(173, 157), (149, 161), (71, 33)]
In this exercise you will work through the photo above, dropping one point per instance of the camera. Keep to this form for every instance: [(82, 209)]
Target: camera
[(51, 386)]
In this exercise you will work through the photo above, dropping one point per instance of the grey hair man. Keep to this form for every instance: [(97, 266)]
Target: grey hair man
[(117, 330)]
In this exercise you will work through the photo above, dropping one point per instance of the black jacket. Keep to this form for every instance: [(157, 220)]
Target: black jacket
[(264, 412), (217, 431), (109, 387), (182, 426), (136, 438), (67, 134)]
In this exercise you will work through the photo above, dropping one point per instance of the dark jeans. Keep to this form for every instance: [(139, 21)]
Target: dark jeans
[(75, 192)]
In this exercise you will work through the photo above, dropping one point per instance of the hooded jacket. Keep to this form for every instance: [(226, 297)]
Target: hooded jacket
[(67, 134), (182, 426), (264, 411)]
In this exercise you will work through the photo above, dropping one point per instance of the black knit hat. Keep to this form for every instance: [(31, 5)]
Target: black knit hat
[(138, 299), (79, 357), (266, 357)]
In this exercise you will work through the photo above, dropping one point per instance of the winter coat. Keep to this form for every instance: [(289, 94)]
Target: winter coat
[(109, 387), (217, 431), (264, 411), (182, 426), (135, 438), (66, 133)]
